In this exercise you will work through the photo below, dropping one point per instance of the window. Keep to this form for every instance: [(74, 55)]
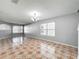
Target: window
[(5, 29), (26, 29), (17, 29), (48, 29)]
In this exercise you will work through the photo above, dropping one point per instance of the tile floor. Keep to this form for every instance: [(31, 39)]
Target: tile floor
[(29, 48)]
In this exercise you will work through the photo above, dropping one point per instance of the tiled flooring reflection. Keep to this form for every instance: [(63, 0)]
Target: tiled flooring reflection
[(19, 48)]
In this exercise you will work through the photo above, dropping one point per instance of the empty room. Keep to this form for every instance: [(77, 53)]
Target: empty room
[(39, 29)]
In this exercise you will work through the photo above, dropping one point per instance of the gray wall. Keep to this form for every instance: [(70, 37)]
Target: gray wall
[(66, 29)]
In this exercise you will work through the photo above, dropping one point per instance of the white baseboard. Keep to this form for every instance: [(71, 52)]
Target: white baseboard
[(57, 42)]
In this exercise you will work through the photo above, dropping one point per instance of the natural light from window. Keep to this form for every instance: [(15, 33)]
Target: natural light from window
[(47, 29), (17, 29)]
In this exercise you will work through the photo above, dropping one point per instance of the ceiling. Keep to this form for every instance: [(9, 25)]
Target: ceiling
[(19, 12)]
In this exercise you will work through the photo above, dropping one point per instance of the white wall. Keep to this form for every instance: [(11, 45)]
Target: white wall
[(66, 29)]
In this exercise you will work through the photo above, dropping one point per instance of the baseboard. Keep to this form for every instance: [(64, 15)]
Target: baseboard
[(57, 42)]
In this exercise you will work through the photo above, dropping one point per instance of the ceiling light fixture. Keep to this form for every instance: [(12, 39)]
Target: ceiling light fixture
[(35, 16), (15, 1)]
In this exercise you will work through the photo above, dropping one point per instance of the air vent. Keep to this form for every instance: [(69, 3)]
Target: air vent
[(15, 1)]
